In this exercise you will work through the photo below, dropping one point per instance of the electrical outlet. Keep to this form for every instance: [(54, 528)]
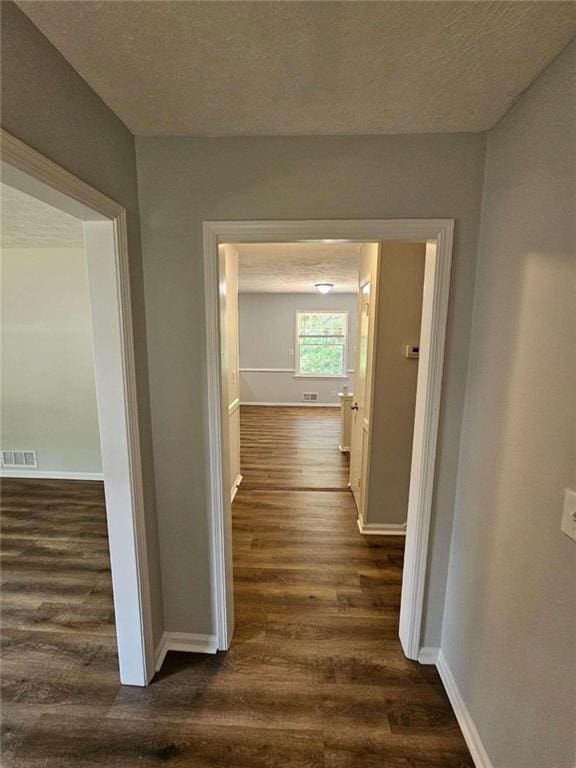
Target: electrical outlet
[(569, 515)]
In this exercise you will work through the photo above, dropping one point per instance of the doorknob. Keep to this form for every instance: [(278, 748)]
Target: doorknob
[(354, 407)]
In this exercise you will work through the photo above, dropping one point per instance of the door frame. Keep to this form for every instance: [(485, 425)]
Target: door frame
[(369, 386), (438, 236), (106, 245)]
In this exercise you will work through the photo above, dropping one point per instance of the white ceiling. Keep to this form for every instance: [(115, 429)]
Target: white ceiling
[(295, 267), (29, 223), (238, 68)]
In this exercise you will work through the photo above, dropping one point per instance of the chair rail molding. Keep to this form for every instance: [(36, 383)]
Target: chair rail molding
[(267, 370), (290, 404), (438, 236)]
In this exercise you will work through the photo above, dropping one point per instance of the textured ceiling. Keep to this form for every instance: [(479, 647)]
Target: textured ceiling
[(30, 223), (295, 267), (240, 68)]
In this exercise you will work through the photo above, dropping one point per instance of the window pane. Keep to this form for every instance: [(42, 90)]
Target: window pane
[(322, 341), (322, 323), (323, 359)]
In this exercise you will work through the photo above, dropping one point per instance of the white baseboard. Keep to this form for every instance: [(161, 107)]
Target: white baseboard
[(235, 487), (382, 529), (428, 655), (186, 642), (44, 474), (469, 730), (298, 405)]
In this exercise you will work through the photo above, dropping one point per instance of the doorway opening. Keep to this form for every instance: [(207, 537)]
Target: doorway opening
[(57, 480), (435, 241)]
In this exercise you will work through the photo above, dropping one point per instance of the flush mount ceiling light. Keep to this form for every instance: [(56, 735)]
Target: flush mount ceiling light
[(324, 287)]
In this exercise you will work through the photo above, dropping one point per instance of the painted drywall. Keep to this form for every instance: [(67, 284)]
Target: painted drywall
[(46, 104), (398, 324), (267, 340), (185, 181), (48, 384), (510, 620)]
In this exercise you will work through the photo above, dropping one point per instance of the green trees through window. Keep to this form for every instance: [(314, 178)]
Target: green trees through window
[(321, 343)]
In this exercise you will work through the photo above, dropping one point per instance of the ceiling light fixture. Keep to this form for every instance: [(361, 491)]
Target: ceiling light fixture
[(324, 287)]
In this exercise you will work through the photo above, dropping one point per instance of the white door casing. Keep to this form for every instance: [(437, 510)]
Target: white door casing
[(109, 287), (438, 235), (368, 289), (359, 414)]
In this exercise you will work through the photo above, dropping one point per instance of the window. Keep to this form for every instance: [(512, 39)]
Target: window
[(321, 343)]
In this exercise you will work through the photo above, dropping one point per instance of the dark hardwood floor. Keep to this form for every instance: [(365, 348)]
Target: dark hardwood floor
[(292, 448), (315, 677), (59, 662)]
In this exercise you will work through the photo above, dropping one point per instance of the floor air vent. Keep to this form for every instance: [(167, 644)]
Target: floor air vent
[(310, 396), (18, 459)]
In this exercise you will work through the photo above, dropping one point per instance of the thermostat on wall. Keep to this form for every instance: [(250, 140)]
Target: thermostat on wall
[(413, 351)]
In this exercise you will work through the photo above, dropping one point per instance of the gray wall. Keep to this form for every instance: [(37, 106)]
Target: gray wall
[(46, 104), (184, 181), (510, 617), (395, 378), (48, 382), (267, 338)]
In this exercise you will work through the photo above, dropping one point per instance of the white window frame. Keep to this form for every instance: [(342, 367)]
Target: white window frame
[(297, 373)]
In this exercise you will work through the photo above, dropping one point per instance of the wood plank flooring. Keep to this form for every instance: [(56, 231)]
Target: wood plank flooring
[(292, 448), (315, 677)]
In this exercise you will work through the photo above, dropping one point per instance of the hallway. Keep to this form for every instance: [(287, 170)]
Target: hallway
[(317, 606), (315, 677)]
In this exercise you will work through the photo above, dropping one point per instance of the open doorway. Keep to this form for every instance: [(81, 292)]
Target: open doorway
[(69, 328), (295, 359), (433, 240), (56, 581), (390, 294)]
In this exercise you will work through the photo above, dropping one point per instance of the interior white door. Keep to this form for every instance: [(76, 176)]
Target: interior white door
[(359, 416)]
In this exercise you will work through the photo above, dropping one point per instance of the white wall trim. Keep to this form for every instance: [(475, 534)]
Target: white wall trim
[(465, 721), (267, 370), (222, 597), (438, 235), (319, 378), (428, 655), (234, 405), (109, 284), (381, 529), (185, 642), (294, 405), (237, 483), (435, 299), (293, 374), (46, 474)]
